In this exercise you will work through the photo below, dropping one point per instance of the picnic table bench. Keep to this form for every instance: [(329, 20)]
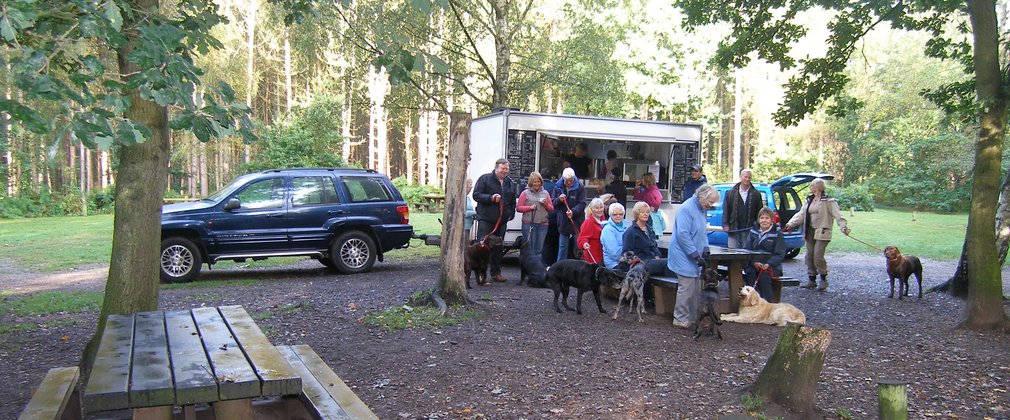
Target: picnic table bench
[(56, 397), (152, 362)]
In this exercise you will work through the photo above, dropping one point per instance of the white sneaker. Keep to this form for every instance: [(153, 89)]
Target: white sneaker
[(681, 324)]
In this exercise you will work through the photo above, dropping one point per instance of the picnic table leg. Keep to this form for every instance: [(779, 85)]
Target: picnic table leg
[(233, 409), (735, 284), (153, 413)]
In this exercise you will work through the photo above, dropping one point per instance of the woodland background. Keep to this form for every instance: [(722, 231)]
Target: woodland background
[(318, 99)]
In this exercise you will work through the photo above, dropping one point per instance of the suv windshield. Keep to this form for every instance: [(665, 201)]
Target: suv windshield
[(228, 189)]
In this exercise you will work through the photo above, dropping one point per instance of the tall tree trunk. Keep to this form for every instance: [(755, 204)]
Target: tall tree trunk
[(433, 149), (422, 145), (451, 284), (737, 125), (250, 28), (202, 152), (346, 115), (985, 286), (503, 55), (287, 70), (132, 285), (408, 150)]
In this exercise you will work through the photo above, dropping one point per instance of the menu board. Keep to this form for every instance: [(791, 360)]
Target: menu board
[(521, 151), (684, 155)]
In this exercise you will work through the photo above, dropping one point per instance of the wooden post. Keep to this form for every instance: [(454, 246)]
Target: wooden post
[(892, 397), (789, 378), (451, 283)]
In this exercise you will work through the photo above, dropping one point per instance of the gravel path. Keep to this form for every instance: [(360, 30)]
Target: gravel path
[(522, 360)]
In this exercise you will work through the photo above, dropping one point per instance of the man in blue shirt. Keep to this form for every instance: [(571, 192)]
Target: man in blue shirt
[(685, 254)]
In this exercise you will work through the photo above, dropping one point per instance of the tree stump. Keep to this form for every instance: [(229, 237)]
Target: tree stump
[(789, 378), (892, 398)]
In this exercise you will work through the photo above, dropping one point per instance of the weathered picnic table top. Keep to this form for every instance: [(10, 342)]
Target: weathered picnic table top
[(202, 355)]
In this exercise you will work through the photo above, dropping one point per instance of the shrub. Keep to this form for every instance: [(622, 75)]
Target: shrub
[(413, 193), (853, 197), (102, 201)]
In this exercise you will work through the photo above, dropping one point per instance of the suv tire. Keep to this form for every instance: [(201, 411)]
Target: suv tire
[(180, 260), (792, 253), (353, 252)]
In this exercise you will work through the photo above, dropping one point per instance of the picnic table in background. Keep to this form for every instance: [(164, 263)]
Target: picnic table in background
[(430, 203)]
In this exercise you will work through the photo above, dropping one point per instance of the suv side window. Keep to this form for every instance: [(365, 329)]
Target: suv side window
[(263, 194), (365, 189), (312, 190)]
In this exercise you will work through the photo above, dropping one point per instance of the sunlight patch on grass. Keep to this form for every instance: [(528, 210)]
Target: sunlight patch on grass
[(424, 317), (45, 303), (81, 241), (198, 284)]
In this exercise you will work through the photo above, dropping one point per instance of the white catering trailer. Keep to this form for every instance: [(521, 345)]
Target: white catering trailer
[(540, 142)]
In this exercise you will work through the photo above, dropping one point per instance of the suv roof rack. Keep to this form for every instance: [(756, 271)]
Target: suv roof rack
[(366, 170)]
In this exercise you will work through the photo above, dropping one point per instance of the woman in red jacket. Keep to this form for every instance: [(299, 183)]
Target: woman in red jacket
[(589, 233)]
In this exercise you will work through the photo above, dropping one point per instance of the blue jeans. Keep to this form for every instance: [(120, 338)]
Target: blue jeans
[(535, 233), (564, 241)]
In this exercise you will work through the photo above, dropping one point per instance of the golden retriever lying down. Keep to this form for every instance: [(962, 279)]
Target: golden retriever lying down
[(755, 310)]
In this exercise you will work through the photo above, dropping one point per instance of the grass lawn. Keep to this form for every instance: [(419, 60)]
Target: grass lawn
[(930, 235), (64, 243)]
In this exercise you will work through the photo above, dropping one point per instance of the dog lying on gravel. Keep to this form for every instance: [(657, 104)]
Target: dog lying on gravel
[(755, 310), (584, 276), (901, 268)]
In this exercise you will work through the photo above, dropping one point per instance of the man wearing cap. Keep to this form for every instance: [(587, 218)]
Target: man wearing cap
[(571, 207), (696, 180), (495, 194)]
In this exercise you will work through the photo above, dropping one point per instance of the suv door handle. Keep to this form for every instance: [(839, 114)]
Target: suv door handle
[(275, 215), (332, 212)]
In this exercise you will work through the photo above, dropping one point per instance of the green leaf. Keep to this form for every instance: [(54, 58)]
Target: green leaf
[(6, 29), (114, 16), (424, 6)]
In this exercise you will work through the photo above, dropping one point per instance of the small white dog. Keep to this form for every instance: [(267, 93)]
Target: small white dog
[(755, 310)]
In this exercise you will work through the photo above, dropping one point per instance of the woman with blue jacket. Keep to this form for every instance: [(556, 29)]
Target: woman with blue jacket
[(613, 235), (685, 254)]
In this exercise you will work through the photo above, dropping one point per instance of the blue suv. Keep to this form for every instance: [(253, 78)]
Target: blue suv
[(780, 196), (344, 218)]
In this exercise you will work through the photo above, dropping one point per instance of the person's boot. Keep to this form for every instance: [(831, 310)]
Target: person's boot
[(824, 283), (811, 283)]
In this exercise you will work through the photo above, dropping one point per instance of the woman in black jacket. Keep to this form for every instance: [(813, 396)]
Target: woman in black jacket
[(764, 236)]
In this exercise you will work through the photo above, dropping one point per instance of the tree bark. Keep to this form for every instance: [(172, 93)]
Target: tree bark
[(451, 284), (985, 286), (132, 285), (789, 378), (503, 55)]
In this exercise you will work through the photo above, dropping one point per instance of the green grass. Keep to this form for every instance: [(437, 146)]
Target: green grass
[(211, 284), (44, 303), (87, 241), (406, 316), (57, 243), (21, 327), (931, 235)]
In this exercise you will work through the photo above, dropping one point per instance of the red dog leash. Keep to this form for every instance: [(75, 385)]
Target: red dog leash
[(483, 241)]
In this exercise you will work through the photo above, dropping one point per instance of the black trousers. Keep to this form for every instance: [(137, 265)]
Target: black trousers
[(483, 229)]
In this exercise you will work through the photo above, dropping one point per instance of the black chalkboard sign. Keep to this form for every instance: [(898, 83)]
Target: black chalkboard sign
[(521, 151)]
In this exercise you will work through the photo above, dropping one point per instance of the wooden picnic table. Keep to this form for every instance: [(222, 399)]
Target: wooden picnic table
[(734, 260), (433, 202), (152, 361)]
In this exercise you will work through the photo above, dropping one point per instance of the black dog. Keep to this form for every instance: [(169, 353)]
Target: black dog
[(531, 267), (709, 305), (478, 255), (584, 276)]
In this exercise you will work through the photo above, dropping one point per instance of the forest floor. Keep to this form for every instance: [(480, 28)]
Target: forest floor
[(523, 360)]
